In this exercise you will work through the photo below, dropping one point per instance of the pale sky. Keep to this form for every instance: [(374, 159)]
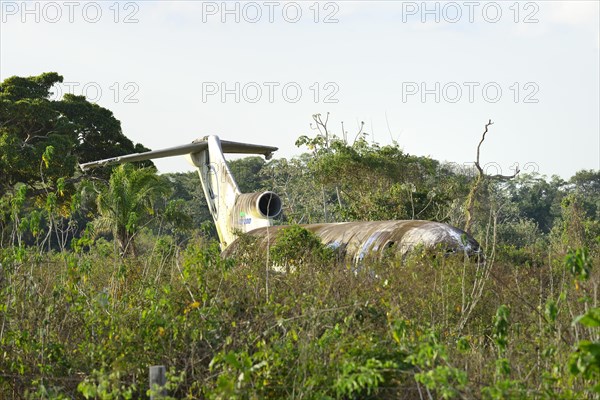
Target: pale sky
[(428, 75)]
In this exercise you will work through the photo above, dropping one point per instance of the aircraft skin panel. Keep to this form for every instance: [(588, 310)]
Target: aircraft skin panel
[(220, 189), (193, 147), (356, 240), (245, 148)]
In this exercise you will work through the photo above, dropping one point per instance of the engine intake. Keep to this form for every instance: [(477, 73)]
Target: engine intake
[(259, 205)]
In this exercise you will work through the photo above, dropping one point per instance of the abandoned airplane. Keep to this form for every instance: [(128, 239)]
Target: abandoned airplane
[(236, 213)]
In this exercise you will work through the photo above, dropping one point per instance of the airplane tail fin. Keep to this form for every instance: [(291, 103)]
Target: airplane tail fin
[(232, 211)]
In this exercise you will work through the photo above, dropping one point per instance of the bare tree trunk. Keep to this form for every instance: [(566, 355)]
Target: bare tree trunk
[(481, 177)]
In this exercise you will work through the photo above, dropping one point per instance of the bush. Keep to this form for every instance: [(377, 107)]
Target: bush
[(296, 245)]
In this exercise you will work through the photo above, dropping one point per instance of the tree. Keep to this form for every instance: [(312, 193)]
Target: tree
[(586, 184), (246, 172), (31, 122), (128, 203), (537, 199), (187, 198), (298, 188), (400, 185), (480, 181)]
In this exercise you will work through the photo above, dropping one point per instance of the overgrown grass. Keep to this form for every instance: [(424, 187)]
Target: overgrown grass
[(89, 324)]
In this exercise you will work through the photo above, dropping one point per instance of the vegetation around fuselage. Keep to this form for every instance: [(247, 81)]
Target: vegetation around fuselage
[(103, 275)]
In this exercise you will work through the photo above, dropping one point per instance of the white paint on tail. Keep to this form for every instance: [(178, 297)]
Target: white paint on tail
[(223, 195)]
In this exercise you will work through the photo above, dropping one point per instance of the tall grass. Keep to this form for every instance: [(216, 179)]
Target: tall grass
[(88, 324)]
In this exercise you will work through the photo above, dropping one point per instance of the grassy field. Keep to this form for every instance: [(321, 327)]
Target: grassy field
[(89, 323)]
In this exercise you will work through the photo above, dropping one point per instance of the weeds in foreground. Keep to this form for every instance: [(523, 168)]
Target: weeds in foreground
[(89, 324)]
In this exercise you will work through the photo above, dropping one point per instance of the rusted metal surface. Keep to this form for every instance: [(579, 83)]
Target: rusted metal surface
[(356, 240)]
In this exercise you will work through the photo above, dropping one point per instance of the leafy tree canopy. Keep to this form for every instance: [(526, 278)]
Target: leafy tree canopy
[(401, 186), (128, 202), (44, 139)]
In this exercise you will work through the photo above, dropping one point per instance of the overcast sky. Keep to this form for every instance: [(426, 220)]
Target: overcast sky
[(427, 75)]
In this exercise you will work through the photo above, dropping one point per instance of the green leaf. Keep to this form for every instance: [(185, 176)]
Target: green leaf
[(47, 156), (591, 319)]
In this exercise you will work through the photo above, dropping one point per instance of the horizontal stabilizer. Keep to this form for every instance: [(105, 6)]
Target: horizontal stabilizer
[(194, 147)]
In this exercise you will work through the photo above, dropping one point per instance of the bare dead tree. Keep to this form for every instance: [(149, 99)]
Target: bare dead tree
[(360, 131), (321, 126), (481, 178), (344, 134)]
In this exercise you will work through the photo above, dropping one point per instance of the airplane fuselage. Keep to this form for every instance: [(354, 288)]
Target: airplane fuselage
[(353, 241)]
